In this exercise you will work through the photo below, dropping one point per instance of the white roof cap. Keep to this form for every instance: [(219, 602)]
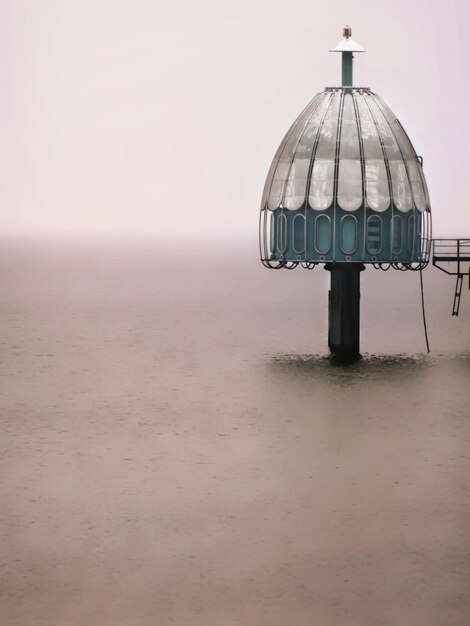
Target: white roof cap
[(347, 44)]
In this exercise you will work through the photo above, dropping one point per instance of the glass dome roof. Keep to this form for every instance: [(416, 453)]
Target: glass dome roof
[(346, 149)]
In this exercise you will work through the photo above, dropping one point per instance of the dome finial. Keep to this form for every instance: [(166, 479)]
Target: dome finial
[(347, 46)]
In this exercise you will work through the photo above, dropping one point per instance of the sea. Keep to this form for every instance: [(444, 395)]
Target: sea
[(178, 447)]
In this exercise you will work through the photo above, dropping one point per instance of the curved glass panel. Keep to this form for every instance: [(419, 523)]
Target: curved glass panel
[(281, 233), (322, 177), (275, 194), (273, 190), (401, 137), (397, 234), (296, 186), (417, 180), (377, 190), (309, 135), (400, 186), (277, 185), (404, 144), (321, 186), (310, 117), (348, 232), (374, 234), (349, 171), (322, 234), (377, 184), (400, 183), (416, 185)]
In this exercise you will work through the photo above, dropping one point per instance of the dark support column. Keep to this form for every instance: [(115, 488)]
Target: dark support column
[(343, 309), (347, 69)]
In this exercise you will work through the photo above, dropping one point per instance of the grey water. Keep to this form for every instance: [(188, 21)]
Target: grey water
[(178, 448)]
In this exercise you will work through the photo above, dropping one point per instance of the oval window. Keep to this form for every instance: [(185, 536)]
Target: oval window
[(322, 234), (397, 234), (299, 233), (374, 234), (281, 233), (348, 232), (411, 233)]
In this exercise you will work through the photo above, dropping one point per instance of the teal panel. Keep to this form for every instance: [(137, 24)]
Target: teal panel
[(348, 234), (322, 234), (397, 234), (337, 236)]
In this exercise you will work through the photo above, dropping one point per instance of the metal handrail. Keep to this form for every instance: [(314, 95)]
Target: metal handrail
[(451, 251), (455, 254)]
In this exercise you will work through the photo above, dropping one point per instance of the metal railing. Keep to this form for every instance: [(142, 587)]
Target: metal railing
[(452, 256), (455, 253)]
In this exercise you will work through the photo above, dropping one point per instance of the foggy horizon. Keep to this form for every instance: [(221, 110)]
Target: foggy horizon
[(144, 118)]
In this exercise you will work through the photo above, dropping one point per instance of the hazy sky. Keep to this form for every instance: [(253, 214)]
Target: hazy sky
[(163, 117)]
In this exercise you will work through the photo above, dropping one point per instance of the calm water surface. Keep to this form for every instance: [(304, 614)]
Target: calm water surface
[(177, 448)]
